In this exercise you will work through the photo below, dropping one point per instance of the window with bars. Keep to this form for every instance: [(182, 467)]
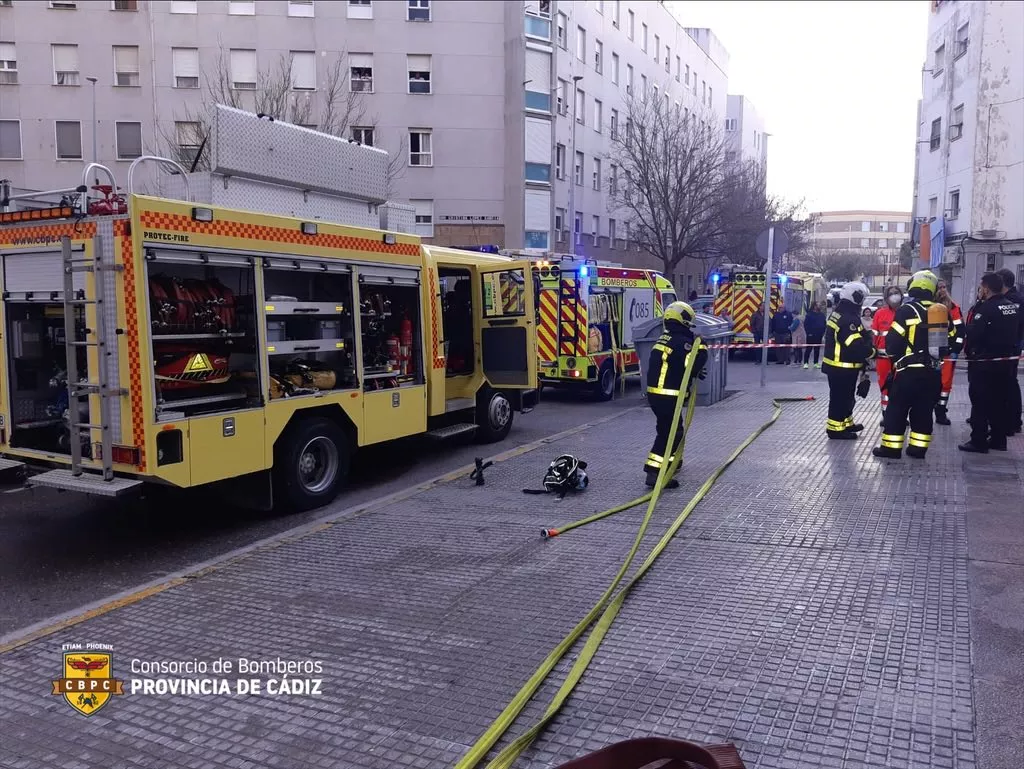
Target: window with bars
[(128, 140), (419, 73), (185, 66), (243, 69), (65, 64), (68, 139), (361, 69), (421, 150), (8, 64), (126, 66)]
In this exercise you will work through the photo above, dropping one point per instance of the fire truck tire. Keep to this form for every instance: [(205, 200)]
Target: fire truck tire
[(493, 415), (311, 462), (604, 387)]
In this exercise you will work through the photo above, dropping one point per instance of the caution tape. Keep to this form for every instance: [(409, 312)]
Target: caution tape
[(773, 345), (607, 608)]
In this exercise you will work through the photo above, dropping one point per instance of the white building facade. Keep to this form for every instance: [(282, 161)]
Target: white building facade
[(969, 179), (745, 136), (470, 95)]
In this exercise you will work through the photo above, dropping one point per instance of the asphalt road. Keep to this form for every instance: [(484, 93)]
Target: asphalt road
[(59, 551)]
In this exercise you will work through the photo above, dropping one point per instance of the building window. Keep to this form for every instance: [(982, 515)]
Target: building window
[(598, 56), (711, 96), (424, 217), (595, 227), (421, 151), (301, 8), (598, 115), (883, 243), (243, 69), (679, 68), (419, 10), (563, 97), (538, 172), (611, 233), (668, 60), (613, 179), (363, 135), (865, 243), (657, 48), (126, 65), (936, 137), (419, 73), (184, 6), (630, 24), (8, 66), (581, 44), (125, 5), (901, 227), (730, 156), (10, 140), (940, 61), (704, 92), (560, 31), (956, 128), (188, 138), (616, 13), (962, 40), (361, 68), (865, 226), (695, 82), (577, 226), (560, 161), (65, 64), (579, 169), (303, 70), (360, 9), (615, 68), (559, 221), (596, 176), (883, 226), (613, 125), (686, 80), (242, 8), (69, 140), (643, 86), (933, 207), (600, 6), (128, 140), (643, 38), (629, 78), (581, 107), (63, 5), (185, 65), (730, 124), (954, 204)]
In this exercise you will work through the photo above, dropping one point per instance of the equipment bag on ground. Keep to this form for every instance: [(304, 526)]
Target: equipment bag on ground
[(679, 754)]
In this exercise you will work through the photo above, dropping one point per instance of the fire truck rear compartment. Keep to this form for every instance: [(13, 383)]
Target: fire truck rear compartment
[(37, 365)]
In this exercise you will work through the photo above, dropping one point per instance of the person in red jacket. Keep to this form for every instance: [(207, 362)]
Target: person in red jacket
[(880, 327), (956, 345)]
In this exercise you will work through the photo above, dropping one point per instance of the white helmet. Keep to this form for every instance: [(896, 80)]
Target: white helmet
[(855, 292)]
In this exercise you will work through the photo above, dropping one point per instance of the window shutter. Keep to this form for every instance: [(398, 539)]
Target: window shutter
[(243, 66), (129, 140), (360, 59), (538, 210), (10, 139), (126, 58), (303, 69), (538, 141), (7, 52), (419, 63), (186, 62), (69, 139), (65, 58), (538, 71)]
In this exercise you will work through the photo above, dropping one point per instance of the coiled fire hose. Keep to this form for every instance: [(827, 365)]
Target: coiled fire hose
[(604, 611)]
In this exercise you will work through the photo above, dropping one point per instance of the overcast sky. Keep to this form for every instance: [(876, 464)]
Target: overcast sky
[(837, 84)]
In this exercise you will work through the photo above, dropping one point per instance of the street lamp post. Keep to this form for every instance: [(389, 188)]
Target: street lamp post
[(95, 154), (572, 181)]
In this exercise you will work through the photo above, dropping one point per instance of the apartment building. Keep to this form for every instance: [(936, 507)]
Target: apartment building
[(969, 175), (875, 234), (745, 137), (471, 96)]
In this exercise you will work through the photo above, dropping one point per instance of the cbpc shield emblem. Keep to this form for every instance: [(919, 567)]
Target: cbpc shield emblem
[(88, 682)]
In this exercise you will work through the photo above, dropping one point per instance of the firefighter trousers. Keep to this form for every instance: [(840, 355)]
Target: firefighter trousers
[(664, 407), (883, 366), (912, 397), (948, 366), (842, 388)]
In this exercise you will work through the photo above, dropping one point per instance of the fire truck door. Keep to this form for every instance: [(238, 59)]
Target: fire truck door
[(508, 330)]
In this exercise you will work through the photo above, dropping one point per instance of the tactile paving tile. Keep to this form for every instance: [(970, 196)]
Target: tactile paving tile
[(813, 609)]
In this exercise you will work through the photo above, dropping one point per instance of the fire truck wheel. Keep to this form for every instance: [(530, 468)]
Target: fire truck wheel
[(604, 388), (310, 464), (493, 415)]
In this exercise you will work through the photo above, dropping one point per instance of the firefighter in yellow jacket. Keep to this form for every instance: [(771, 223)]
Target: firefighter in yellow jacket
[(665, 375), (847, 349)]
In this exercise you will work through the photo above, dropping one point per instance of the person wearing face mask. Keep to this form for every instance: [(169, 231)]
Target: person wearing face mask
[(956, 345), (993, 332), (880, 324)]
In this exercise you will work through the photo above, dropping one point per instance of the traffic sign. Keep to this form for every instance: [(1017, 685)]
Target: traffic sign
[(781, 244)]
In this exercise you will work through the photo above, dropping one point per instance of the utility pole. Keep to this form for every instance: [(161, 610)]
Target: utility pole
[(95, 154), (572, 164)]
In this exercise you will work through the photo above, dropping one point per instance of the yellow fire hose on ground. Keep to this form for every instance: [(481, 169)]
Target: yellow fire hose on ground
[(603, 611)]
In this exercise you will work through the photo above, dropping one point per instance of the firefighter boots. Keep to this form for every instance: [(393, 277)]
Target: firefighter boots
[(883, 452), (652, 480), (916, 452)]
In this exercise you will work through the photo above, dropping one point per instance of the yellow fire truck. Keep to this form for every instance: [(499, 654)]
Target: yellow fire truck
[(586, 314), (149, 339)]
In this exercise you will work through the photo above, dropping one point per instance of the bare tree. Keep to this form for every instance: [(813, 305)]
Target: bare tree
[(840, 265), (333, 109), (675, 183)]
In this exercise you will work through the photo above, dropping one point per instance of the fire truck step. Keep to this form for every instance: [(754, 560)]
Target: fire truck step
[(10, 465), (86, 483), (450, 431)]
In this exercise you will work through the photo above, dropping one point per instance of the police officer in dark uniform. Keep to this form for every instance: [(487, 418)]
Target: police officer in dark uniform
[(848, 346), (1011, 292), (917, 380), (993, 332), (664, 379)]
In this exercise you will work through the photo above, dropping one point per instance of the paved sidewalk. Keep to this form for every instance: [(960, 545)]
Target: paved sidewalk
[(817, 609)]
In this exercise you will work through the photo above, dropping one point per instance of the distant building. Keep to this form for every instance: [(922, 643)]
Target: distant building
[(745, 137), (876, 234), (969, 176)]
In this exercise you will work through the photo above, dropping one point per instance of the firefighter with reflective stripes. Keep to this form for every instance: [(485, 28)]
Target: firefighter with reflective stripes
[(880, 323), (848, 348), (916, 381), (956, 345), (665, 375)]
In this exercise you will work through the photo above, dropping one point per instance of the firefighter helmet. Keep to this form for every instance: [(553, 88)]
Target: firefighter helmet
[(681, 313), (854, 291), (925, 280)]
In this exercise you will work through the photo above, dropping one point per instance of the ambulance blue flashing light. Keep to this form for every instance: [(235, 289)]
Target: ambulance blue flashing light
[(584, 271), (783, 279), (715, 277)]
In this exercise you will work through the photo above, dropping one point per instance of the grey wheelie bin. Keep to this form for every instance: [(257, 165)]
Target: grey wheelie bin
[(713, 331)]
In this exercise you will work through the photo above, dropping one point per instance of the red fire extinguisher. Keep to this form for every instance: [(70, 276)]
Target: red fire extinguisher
[(406, 339), (394, 352)]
